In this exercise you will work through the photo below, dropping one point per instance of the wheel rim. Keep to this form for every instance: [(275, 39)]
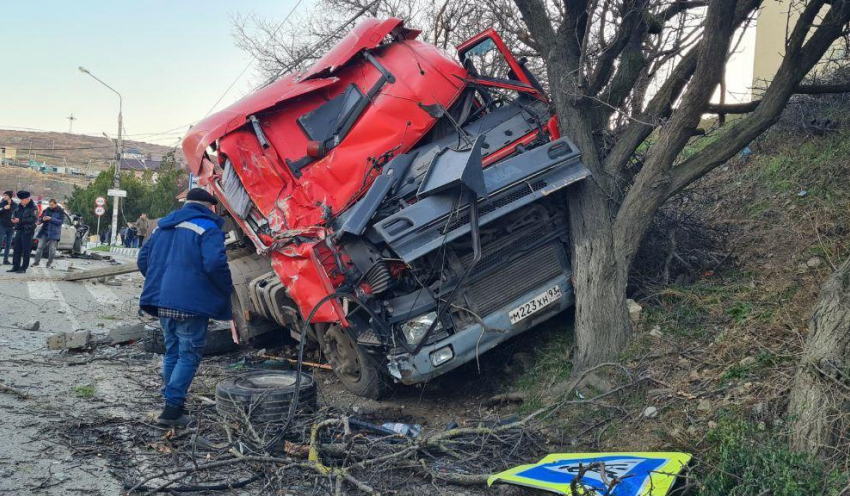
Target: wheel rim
[(342, 354), (270, 381)]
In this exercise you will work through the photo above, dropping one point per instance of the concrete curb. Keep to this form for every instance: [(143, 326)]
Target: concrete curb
[(127, 252)]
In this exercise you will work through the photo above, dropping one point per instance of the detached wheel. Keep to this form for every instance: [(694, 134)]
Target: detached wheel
[(218, 340), (264, 396), (359, 372)]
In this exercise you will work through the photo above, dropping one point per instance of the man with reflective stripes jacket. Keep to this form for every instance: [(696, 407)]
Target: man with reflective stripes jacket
[(187, 282)]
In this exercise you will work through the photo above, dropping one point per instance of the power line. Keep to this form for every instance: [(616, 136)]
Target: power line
[(253, 58), (319, 43)]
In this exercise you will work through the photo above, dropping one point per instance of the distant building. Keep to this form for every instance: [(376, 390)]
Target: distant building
[(141, 165), (8, 154), (133, 154), (774, 19)]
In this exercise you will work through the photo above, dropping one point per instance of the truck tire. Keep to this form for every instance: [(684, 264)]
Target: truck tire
[(359, 371), (263, 396), (218, 340)]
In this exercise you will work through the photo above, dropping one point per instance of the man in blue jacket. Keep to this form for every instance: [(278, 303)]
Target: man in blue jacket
[(187, 282)]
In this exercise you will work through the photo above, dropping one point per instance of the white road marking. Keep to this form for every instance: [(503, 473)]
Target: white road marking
[(48, 290), (41, 290), (102, 294)]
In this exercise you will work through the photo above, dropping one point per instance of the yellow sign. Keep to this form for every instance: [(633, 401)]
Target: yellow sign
[(640, 474)]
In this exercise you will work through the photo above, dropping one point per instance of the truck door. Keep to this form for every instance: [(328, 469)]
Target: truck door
[(488, 60)]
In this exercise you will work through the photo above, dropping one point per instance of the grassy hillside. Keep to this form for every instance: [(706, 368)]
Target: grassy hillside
[(713, 357), (57, 186)]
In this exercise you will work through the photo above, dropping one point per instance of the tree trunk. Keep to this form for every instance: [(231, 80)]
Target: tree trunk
[(601, 324), (819, 405)]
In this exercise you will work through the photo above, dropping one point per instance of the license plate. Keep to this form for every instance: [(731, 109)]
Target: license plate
[(535, 304)]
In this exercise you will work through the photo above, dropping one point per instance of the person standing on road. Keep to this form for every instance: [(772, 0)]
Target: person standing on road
[(142, 226), (7, 229), (187, 282), (48, 237), (24, 218)]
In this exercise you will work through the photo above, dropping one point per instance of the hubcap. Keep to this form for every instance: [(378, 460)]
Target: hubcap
[(342, 354)]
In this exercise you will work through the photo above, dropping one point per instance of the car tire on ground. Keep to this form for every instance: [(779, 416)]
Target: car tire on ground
[(218, 340), (264, 396)]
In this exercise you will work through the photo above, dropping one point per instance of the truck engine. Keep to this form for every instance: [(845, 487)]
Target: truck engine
[(407, 210)]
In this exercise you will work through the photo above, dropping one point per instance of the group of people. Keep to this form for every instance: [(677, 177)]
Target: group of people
[(187, 277), (133, 235), (23, 221)]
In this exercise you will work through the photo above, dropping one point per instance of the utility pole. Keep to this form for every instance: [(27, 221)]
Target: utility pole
[(71, 120), (119, 151)]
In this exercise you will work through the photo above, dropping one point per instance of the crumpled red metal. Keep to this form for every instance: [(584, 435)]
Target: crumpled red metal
[(298, 209)]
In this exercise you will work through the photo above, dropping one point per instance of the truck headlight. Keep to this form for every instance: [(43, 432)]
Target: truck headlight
[(413, 330), (442, 356)]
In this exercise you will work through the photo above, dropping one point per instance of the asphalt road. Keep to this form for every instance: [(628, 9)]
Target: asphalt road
[(33, 458)]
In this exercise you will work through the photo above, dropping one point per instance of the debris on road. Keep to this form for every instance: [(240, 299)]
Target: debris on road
[(70, 340), (127, 334), (13, 391), (409, 430), (33, 325), (127, 268)]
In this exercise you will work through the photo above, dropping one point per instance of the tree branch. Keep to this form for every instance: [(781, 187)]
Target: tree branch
[(794, 67), (661, 104), (652, 182), (679, 7), (803, 89)]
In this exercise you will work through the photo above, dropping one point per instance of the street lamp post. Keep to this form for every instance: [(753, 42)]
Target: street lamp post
[(119, 152)]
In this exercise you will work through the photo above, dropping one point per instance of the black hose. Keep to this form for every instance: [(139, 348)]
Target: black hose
[(476, 256)]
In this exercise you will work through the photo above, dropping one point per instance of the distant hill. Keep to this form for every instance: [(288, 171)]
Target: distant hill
[(57, 186), (73, 150)]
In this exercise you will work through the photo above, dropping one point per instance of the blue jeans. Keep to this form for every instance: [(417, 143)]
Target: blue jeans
[(184, 348), (6, 235)]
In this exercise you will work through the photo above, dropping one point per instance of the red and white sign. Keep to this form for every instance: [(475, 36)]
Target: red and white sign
[(99, 211), (100, 201)]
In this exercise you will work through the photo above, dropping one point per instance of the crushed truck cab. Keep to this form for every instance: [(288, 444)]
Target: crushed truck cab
[(409, 205)]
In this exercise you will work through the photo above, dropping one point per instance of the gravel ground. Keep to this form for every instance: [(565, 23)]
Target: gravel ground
[(87, 424), (30, 461)]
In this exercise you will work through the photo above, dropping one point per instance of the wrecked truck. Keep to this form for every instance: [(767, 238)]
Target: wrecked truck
[(405, 209)]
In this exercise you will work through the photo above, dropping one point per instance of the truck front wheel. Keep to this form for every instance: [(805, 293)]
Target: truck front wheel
[(360, 372)]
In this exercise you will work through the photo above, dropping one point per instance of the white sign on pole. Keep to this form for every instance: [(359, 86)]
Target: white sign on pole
[(99, 211), (121, 193), (100, 201)]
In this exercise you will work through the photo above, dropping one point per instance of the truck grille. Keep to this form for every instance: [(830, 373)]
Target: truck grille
[(493, 291)]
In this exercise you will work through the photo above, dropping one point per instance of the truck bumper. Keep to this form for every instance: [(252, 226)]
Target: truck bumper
[(471, 341)]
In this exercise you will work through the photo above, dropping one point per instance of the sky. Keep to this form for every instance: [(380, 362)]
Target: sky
[(170, 60)]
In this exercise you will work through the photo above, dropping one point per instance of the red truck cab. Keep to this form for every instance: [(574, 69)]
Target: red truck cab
[(354, 178)]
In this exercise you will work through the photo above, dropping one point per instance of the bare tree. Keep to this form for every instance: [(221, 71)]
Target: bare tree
[(626, 75), (444, 23)]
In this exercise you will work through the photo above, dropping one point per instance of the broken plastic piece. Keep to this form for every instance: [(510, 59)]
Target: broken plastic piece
[(451, 168)]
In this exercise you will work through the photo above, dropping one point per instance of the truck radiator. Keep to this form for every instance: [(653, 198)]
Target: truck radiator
[(495, 290)]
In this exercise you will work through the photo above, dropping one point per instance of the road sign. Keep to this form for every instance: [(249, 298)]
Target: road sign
[(99, 211), (100, 201), (121, 193)]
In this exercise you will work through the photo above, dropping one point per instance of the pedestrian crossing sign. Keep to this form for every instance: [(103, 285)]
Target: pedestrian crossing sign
[(638, 473)]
